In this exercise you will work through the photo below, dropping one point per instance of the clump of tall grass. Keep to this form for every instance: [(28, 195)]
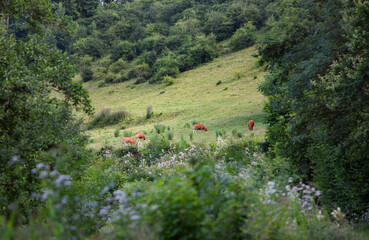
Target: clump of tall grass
[(160, 128), (221, 133), (149, 112), (169, 136), (127, 133), (116, 132), (191, 136), (235, 133), (106, 118)]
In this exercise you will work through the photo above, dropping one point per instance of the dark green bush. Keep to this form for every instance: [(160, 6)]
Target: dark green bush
[(109, 78), (87, 74), (93, 47), (244, 37), (117, 66), (164, 66)]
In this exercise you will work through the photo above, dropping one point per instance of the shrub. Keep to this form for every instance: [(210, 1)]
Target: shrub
[(93, 47), (237, 74), (164, 66), (117, 66), (139, 71), (167, 80), (244, 37), (109, 78), (106, 118), (122, 78), (149, 112), (87, 74), (116, 132)]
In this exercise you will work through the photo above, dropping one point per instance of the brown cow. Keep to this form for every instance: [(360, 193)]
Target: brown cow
[(140, 135), (200, 127), (129, 140), (251, 125)]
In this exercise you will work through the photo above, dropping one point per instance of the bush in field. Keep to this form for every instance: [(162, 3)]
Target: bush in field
[(164, 66), (149, 112), (106, 118), (168, 80), (87, 74), (244, 37), (237, 74), (116, 132)]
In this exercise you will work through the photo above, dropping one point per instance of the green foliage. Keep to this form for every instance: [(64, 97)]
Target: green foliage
[(316, 99), (127, 133), (237, 74), (93, 47), (160, 128), (168, 80), (117, 66), (244, 37), (124, 50), (31, 120), (87, 8), (164, 66), (116, 132), (109, 78), (87, 74), (170, 37), (169, 136), (106, 118)]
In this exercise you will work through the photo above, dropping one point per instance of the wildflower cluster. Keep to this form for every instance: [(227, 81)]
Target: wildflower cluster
[(302, 194)]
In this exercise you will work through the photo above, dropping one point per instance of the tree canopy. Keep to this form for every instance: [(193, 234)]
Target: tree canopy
[(317, 89), (37, 95)]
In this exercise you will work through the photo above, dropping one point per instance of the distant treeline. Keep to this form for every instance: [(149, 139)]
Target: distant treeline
[(150, 39)]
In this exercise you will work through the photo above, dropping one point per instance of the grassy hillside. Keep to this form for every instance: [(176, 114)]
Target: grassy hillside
[(194, 96)]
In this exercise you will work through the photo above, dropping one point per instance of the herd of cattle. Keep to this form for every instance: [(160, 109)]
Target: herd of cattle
[(196, 127)]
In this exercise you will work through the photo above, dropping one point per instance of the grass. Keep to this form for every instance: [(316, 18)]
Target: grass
[(195, 95)]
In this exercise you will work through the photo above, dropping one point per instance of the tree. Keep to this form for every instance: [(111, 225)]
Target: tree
[(317, 96), (244, 37), (32, 120), (87, 8)]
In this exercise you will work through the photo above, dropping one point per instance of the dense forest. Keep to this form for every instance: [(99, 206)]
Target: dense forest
[(307, 180)]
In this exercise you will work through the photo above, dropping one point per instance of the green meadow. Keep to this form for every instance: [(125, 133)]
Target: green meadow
[(194, 97)]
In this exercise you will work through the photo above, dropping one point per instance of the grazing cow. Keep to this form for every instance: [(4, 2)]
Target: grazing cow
[(140, 135), (200, 127), (129, 140), (251, 125)]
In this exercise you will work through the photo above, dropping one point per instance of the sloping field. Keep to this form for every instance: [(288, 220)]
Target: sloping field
[(194, 96)]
